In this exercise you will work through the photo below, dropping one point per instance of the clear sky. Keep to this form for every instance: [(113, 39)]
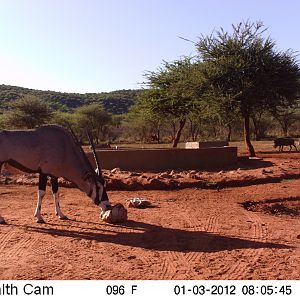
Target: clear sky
[(104, 45)]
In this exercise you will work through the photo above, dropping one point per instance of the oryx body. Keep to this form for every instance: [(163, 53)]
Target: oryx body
[(52, 151)]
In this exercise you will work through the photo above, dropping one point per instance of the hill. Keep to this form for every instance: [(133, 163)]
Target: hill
[(116, 102)]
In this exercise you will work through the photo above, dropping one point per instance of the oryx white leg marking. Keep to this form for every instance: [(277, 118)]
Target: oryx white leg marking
[(38, 209), (58, 211)]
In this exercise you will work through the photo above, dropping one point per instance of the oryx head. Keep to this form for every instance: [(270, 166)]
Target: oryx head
[(94, 183), (97, 189), (98, 184)]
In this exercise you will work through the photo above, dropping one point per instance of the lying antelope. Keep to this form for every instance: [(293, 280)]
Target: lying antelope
[(52, 151)]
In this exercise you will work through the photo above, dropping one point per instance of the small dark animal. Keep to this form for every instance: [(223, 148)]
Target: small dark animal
[(281, 142)]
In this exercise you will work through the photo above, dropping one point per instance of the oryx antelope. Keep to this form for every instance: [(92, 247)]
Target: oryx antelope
[(52, 151)]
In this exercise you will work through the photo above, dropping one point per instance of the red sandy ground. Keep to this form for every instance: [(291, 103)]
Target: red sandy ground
[(250, 232)]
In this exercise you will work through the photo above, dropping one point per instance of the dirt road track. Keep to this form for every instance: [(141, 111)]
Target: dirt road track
[(189, 234)]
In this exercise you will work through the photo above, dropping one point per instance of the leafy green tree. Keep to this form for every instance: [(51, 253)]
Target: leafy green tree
[(195, 123), (28, 112), (246, 70), (261, 123), (286, 118), (174, 91), (93, 118), (141, 122), (64, 119), (198, 119), (115, 129)]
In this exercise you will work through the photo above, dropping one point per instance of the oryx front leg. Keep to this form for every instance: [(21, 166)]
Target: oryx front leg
[(41, 194), (58, 212), (37, 214)]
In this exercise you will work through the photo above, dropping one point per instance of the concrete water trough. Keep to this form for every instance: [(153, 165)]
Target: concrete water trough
[(166, 159)]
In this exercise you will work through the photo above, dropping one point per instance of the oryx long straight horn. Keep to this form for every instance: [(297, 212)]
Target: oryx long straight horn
[(80, 148), (94, 153)]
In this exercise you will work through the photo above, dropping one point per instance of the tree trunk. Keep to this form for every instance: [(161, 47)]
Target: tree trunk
[(158, 136), (229, 133), (250, 148), (194, 128), (255, 125), (178, 133), (285, 129), (173, 128)]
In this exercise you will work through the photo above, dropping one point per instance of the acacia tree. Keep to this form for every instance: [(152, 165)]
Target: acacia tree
[(93, 118), (142, 122), (261, 123), (195, 123), (28, 112), (245, 69), (221, 109), (174, 92), (285, 117)]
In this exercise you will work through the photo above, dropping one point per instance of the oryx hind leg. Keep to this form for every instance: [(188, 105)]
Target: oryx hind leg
[(41, 194), (58, 212)]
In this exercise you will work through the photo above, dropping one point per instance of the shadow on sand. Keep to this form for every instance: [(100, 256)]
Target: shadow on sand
[(251, 164), (153, 237), (279, 154), (277, 206)]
